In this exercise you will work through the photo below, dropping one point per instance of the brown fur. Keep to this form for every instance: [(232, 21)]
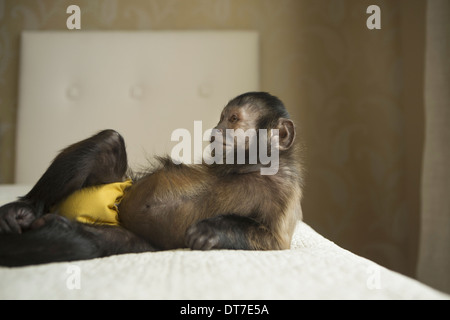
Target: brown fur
[(217, 206), (220, 206)]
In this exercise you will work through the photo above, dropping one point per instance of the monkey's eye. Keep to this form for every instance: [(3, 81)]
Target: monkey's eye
[(233, 118)]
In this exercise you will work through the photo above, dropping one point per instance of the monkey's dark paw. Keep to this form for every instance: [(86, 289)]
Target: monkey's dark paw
[(201, 236), (15, 217)]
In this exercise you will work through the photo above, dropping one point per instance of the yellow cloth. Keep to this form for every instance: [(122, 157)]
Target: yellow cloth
[(96, 204)]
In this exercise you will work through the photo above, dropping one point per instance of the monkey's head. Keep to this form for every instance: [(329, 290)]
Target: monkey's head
[(255, 111)]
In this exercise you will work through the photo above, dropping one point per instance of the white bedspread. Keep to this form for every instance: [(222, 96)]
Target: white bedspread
[(314, 268)]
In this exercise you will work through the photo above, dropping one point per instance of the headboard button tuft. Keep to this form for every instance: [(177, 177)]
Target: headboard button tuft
[(205, 90), (137, 92), (73, 93)]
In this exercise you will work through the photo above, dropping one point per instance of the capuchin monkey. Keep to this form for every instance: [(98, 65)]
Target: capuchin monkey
[(202, 206)]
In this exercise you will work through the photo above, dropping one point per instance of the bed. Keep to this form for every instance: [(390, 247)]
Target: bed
[(314, 268), (146, 84)]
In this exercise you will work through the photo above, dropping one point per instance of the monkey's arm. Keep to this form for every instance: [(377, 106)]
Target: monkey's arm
[(230, 232)]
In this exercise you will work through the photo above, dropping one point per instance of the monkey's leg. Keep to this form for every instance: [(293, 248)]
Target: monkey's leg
[(53, 238), (97, 160), (230, 232)]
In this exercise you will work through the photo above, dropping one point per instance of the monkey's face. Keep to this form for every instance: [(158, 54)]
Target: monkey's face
[(240, 133), (236, 121)]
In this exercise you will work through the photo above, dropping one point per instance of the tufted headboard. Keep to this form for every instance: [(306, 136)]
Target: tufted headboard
[(143, 84)]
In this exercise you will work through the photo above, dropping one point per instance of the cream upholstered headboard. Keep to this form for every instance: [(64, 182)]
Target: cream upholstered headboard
[(143, 84)]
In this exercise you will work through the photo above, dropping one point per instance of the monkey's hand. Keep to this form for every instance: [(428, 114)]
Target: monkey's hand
[(202, 236), (15, 217), (222, 232)]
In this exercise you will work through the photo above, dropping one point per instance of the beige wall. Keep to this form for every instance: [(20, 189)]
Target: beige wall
[(356, 95)]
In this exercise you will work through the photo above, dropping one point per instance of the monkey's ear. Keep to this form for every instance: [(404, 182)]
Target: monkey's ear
[(286, 129)]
